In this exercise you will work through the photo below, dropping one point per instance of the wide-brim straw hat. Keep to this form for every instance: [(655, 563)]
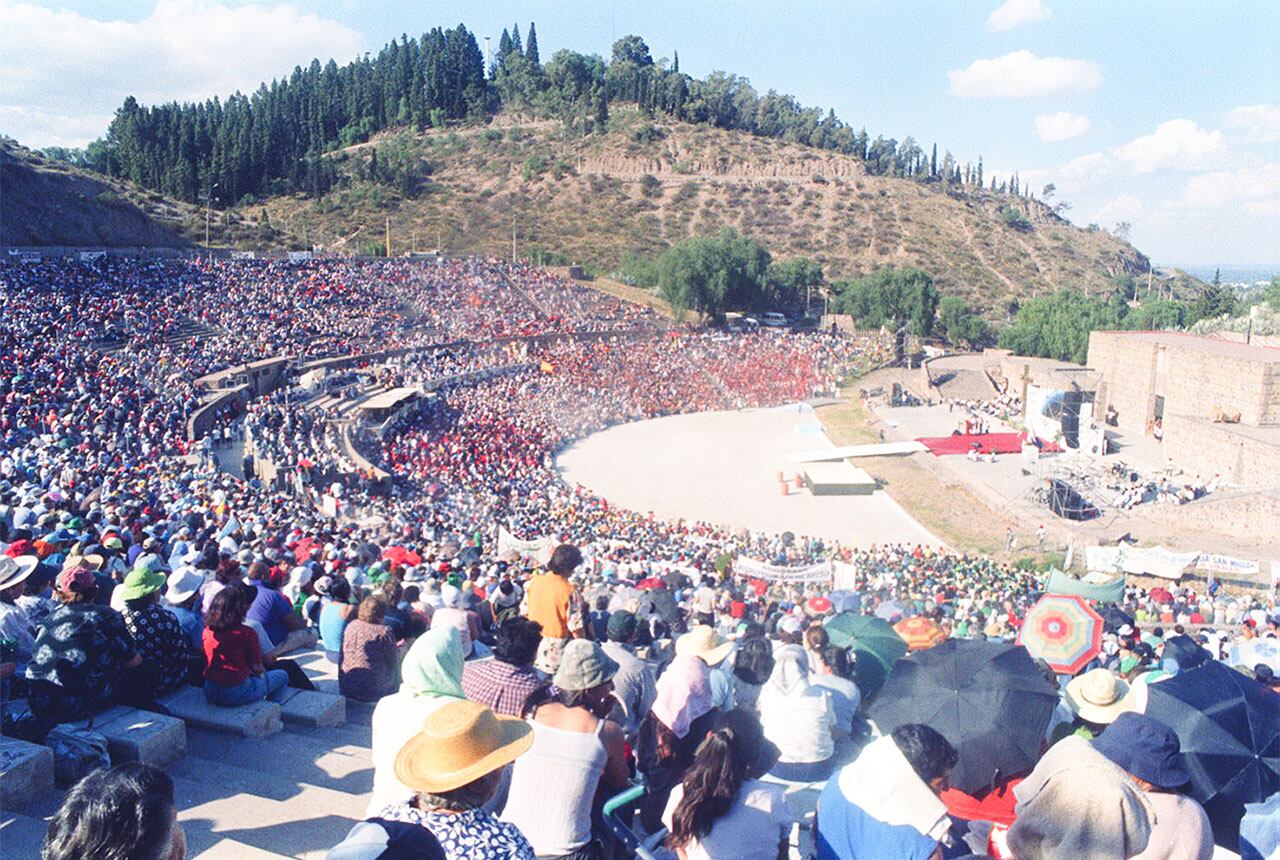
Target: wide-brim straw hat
[(16, 570), (703, 641), (459, 743), (1098, 696)]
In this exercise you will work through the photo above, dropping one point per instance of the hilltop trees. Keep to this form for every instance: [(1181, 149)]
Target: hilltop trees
[(274, 141)]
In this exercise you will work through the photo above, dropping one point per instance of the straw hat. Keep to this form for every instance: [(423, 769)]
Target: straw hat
[(459, 743), (16, 570), (1098, 696), (703, 641)]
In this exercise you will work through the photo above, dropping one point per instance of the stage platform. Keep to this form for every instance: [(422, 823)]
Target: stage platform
[(838, 479)]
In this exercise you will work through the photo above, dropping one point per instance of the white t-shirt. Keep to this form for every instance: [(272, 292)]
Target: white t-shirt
[(704, 600), (751, 830)]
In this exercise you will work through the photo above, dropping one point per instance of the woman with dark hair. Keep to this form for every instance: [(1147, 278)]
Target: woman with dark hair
[(227, 572), (235, 674), (370, 662), (722, 809), (834, 674), (752, 666), (123, 813), (336, 610)]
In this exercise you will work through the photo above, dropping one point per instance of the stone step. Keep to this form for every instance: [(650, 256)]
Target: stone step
[(350, 736), (22, 835), (250, 721), (143, 736), (229, 849), (300, 757), (26, 772), (268, 810), (313, 708)]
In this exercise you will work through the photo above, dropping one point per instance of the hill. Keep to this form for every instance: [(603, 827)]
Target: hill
[(643, 185), (44, 202)]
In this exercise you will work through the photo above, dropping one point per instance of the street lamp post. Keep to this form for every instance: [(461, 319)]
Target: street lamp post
[(208, 202)]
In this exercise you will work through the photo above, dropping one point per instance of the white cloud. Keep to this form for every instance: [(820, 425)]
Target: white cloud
[(1015, 13), (1256, 189), (1022, 74), (1258, 123), (63, 74), (1053, 127), (1126, 207), (1178, 143)]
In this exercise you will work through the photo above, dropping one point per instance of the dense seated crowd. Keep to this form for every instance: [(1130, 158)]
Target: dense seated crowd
[(514, 631)]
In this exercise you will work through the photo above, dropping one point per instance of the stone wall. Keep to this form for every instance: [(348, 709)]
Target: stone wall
[(261, 377), (1128, 371), (199, 422), (1200, 447)]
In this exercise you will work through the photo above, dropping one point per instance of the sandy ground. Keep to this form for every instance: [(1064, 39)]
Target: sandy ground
[(722, 467)]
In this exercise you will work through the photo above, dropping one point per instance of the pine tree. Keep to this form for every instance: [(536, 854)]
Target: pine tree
[(504, 46), (979, 175), (531, 52), (516, 46), (933, 163)]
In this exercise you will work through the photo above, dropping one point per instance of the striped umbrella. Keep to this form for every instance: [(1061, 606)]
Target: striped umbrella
[(920, 632), (1062, 630)]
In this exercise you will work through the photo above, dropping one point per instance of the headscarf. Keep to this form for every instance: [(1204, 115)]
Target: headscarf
[(432, 668), (1076, 803), (684, 694), (790, 676)]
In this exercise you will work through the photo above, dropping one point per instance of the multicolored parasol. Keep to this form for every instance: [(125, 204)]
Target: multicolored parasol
[(1062, 630), (920, 632)]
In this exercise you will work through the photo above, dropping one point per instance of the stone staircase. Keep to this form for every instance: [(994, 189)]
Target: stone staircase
[(262, 782)]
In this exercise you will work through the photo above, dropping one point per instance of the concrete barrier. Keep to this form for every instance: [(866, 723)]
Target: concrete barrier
[(26, 772), (142, 736), (251, 721)]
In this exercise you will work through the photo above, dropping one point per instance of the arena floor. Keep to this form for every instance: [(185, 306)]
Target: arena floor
[(721, 467)]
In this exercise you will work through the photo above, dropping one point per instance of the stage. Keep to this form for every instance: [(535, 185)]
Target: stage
[(722, 468)]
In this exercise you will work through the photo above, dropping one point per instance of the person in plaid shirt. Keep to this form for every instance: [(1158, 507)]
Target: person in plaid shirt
[(506, 682)]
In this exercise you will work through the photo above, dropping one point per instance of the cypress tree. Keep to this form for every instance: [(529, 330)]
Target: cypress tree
[(516, 45), (531, 52)]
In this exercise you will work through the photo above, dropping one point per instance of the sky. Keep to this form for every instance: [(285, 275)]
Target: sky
[(1164, 114)]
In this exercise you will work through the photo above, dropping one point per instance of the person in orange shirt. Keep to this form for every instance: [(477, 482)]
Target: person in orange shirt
[(552, 601)]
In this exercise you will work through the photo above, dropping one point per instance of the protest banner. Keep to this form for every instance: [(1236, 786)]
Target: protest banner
[(535, 548), (749, 567)]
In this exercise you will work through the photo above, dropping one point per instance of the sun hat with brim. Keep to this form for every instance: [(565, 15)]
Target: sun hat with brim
[(13, 571), (181, 584), (1098, 696), (703, 641), (1145, 747), (459, 743), (583, 665), (140, 582), (93, 561)]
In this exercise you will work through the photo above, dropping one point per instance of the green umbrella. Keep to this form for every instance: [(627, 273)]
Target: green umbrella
[(876, 643)]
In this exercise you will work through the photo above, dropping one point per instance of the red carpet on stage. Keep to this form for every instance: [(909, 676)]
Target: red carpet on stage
[(1003, 443)]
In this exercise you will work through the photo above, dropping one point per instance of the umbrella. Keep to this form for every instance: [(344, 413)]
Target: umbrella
[(1062, 630), (876, 643), (920, 632), (989, 699), (469, 555), (302, 549), (1230, 735), (888, 609), (1161, 595), (843, 600), (1114, 618), (1185, 651), (817, 606), (1254, 651), (402, 556)]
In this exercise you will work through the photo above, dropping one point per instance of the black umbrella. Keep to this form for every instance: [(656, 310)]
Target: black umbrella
[(469, 555), (989, 699), (1113, 618), (1229, 728), (1186, 651)]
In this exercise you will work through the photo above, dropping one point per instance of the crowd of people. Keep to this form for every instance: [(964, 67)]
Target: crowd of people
[(516, 632)]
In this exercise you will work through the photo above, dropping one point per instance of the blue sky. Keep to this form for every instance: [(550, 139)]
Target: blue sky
[(1161, 114)]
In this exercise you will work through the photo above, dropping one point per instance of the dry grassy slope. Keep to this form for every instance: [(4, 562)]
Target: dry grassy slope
[(45, 202), (593, 199)]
